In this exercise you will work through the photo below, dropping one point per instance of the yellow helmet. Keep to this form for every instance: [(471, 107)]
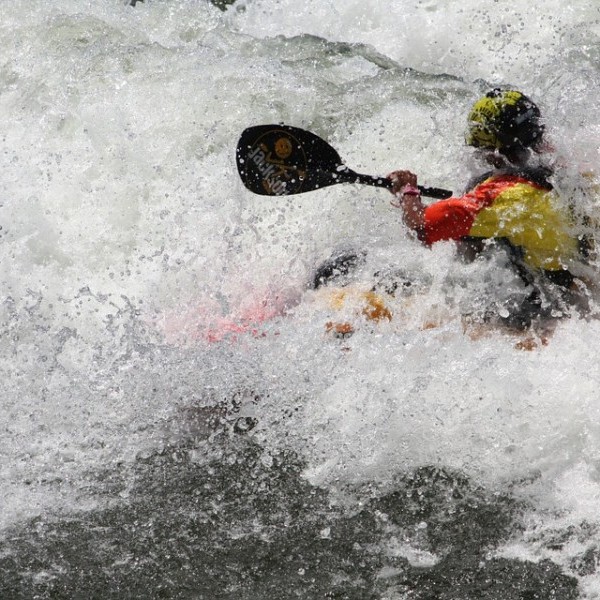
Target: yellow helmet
[(504, 120)]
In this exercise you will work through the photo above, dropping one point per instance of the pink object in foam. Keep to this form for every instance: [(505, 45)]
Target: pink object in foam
[(205, 322)]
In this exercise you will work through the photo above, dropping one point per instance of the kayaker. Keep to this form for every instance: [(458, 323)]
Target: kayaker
[(511, 206)]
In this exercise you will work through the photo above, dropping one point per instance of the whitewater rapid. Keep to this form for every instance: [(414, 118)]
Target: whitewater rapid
[(123, 220)]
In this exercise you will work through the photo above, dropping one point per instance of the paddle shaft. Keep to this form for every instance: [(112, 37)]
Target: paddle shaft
[(349, 176)]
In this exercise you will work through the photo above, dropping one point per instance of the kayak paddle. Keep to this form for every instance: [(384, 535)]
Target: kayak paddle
[(281, 160)]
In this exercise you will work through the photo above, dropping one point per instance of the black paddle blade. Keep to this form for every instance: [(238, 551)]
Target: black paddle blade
[(280, 160)]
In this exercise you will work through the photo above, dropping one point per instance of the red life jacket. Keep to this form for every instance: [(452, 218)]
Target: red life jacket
[(512, 205)]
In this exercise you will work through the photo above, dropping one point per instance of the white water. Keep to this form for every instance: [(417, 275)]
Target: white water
[(120, 203)]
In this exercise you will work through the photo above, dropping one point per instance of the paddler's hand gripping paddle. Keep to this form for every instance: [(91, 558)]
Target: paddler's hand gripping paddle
[(280, 160)]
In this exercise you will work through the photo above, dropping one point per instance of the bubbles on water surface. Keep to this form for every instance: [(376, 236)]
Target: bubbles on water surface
[(276, 445)]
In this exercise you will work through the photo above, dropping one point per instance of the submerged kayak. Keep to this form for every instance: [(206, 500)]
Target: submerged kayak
[(334, 295), (345, 297)]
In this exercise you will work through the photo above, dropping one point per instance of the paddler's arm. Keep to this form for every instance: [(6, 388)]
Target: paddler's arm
[(408, 199), (449, 219)]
